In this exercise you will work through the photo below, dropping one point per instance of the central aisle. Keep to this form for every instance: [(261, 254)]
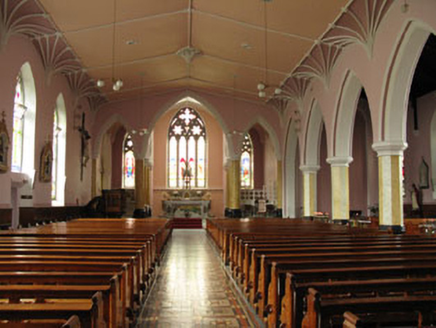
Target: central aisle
[(192, 289)]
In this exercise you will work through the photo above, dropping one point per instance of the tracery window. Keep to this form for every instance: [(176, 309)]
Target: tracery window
[(128, 163), (187, 150), (247, 163), (18, 127)]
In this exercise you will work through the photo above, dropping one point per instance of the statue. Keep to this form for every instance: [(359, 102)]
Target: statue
[(416, 195)]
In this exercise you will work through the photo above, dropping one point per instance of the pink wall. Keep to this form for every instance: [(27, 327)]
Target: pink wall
[(324, 202), (18, 51), (358, 168), (419, 147), (258, 150), (117, 159)]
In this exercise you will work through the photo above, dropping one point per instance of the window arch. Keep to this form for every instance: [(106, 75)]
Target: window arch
[(59, 152), (247, 163), (128, 163), (187, 150), (23, 131)]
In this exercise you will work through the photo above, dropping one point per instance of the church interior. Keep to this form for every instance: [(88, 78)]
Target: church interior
[(195, 163)]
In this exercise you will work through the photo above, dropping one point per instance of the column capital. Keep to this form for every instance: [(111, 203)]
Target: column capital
[(343, 161), (310, 168), (389, 148)]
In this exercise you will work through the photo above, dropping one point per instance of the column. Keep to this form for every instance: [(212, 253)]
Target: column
[(233, 189), (139, 184), (390, 184), (147, 182), (279, 210), (94, 178), (340, 188), (309, 189)]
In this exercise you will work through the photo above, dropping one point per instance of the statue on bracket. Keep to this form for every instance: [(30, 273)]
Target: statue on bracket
[(45, 165), (4, 145)]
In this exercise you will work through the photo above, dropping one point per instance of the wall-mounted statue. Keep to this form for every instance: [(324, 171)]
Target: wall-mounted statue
[(45, 166), (4, 145)]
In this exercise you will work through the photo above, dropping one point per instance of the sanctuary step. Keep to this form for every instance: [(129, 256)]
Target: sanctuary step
[(187, 223)]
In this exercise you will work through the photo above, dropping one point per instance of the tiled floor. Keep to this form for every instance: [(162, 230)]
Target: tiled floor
[(192, 289)]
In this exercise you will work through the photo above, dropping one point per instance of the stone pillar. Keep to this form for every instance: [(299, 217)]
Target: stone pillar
[(139, 183), (309, 189), (147, 182), (340, 188), (279, 211), (233, 189), (94, 178), (390, 184)]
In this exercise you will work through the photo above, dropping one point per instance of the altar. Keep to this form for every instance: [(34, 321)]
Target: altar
[(189, 208)]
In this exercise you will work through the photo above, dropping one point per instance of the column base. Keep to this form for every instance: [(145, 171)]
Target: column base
[(232, 213), (396, 229), (279, 213)]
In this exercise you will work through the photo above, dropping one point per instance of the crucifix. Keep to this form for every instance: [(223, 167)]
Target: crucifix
[(84, 150)]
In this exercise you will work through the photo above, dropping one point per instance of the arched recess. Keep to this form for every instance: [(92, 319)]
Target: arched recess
[(114, 120), (399, 79), (195, 101), (59, 152), (268, 128), (292, 188)]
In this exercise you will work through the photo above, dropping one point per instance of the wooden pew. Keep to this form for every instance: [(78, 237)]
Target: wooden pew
[(46, 293), (292, 303), (388, 309), (72, 322), (87, 310)]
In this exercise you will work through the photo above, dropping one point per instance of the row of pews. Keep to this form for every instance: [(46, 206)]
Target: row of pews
[(300, 273), (88, 273)]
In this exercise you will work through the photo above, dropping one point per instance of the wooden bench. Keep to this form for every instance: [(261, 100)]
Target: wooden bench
[(389, 309), (87, 310), (72, 322)]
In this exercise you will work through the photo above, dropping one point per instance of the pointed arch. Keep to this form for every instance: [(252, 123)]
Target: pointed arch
[(348, 99), (112, 120), (315, 123), (196, 101), (399, 78), (268, 128)]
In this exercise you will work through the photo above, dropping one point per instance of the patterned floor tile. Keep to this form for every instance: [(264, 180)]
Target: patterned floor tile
[(192, 289)]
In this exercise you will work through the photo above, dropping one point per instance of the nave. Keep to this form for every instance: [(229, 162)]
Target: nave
[(192, 289)]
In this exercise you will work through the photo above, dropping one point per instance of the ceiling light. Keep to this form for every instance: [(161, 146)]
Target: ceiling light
[(261, 86), (100, 83), (246, 46), (262, 94), (277, 91), (131, 42)]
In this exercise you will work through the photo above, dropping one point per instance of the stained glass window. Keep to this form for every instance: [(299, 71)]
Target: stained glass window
[(129, 163), (247, 163), (187, 150), (54, 172), (18, 127)]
